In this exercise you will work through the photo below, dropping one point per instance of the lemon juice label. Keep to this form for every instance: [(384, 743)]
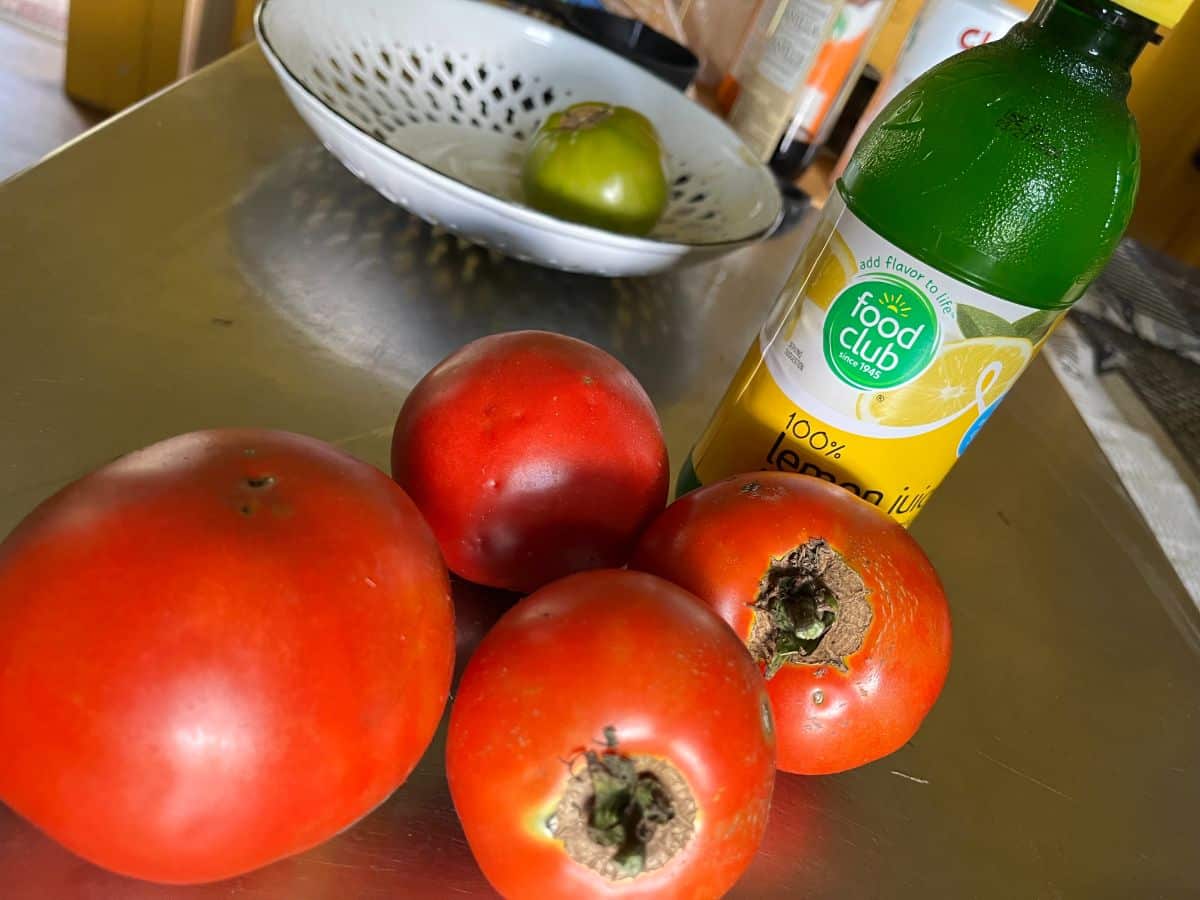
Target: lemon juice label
[(873, 371)]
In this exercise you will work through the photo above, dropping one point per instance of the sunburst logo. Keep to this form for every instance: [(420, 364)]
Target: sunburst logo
[(895, 303)]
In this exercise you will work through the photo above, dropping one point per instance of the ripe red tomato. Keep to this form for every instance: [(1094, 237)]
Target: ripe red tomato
[(834, 599), (532, 455), (216, 652), (611, 738)]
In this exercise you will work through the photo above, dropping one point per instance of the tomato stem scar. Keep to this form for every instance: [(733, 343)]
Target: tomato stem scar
[(585, 115), (811, 609), (623, 815), (626, 807)]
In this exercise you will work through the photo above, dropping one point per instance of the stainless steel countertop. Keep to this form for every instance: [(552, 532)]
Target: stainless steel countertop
[(201, 261)]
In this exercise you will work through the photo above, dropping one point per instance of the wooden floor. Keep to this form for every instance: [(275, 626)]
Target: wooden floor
[(35, 115)]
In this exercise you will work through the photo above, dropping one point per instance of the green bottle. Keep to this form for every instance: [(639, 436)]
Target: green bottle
[(976, 209)]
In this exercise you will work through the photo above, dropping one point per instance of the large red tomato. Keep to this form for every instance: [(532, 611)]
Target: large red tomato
[(611, 738), (532, 455), (834, 599), (216, 652)]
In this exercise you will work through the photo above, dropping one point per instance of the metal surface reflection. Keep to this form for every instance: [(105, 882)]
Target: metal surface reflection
[(381, 289)]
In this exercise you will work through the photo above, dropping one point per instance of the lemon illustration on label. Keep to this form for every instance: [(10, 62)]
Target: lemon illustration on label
[(833, 272), (968, 374)]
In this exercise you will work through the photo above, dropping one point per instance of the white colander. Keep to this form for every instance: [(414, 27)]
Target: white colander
[(431, 103)]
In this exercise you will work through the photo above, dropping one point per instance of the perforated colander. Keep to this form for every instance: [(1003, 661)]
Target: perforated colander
[(432, 105)]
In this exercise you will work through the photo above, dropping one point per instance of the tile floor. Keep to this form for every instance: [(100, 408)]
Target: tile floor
[(35, 114)]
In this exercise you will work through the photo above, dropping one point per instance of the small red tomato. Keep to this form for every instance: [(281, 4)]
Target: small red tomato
[(532, 455), (216, 652), (833, 598), (611, 738)]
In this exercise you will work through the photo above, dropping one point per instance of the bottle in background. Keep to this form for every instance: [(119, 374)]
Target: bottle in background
[(976, 209), (943, 28), (769, 78), (829, 84), (718, 32)]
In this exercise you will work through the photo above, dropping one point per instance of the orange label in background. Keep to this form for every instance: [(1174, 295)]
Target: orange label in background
[(831, 68), (727, 93), (855, 24), (771, 86)]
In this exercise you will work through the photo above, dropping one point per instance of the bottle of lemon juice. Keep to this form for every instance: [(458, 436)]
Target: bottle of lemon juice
[(976, 209)]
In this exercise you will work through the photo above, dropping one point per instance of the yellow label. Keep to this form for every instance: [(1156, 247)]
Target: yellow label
[(873, 371)]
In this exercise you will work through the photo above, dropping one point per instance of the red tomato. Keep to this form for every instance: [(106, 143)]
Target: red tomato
[(532, 455), (834, 599), (216, 652), (596, 689)]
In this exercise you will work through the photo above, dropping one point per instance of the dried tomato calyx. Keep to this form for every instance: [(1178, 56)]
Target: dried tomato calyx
[(811, 609), (622, 815), (626, 808)]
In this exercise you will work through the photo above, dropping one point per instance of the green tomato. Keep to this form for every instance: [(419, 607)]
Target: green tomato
[(598, 164)]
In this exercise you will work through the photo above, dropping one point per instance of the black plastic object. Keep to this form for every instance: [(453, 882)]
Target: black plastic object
[(796, 204), (636, 41), (792, 157), (856, 106)]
